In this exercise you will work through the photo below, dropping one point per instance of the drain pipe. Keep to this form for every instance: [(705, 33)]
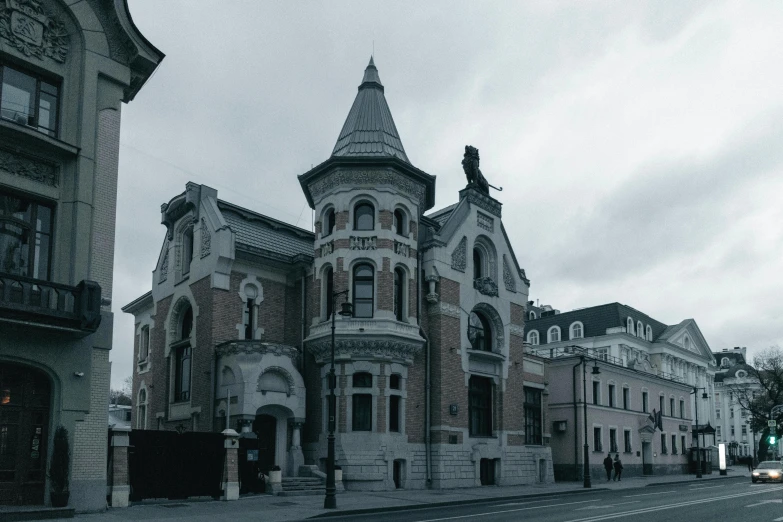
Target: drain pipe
[(576, 423), (304, 320), (427, 378)]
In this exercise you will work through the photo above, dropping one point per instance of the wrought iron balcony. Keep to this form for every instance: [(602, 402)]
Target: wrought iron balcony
[(52, 305)]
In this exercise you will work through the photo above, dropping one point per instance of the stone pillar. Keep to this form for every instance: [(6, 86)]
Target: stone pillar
[(295, 455), (120, 485), (231, 467)]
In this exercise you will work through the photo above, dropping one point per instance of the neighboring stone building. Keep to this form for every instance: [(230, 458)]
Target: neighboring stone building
[(433, 387), (646, 368), (65, 69), (732, 422)]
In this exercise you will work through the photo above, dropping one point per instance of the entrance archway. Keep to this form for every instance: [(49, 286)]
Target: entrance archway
[(25, 396), (265, 427)]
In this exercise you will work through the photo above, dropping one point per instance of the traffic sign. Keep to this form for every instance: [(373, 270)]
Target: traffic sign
[(772, 423)]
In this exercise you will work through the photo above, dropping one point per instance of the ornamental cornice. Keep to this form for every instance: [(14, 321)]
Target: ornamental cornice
[(482, 201), (397, 350), (258, 347), (446, 309), (33, 30), (368, 178), (28, 168)]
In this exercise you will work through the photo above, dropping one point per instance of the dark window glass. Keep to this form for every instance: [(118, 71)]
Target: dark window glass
[(671, 407), (479, 332), (533, 432), (627, 435), (187, 324), (329, 292), (611, 397), (477, 268), (394, 413), (363, 291), (25, 237), (626, 398), (597, 445), (29, 101), (645, 406), (329, 223), (682, 409), (596, 392), (399, 222), (613, 440), (362, 412), (144, 343), (663, 443), (399, 285), (182, 378), (249, 318), (364, 217), (480, 404), (674, 444), (362, 380), (682, 443), (660, 404), (187, 250), (394, 382)]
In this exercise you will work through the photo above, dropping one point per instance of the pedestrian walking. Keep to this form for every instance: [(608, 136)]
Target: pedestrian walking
[(618, 467), (750, 463), (608, 466)]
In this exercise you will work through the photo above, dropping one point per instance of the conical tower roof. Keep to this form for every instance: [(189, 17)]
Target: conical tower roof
[(369, 130)]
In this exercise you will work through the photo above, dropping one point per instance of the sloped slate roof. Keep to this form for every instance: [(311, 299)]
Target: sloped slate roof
[(595, 320), (264, 233), (442, 215), (369, 129)]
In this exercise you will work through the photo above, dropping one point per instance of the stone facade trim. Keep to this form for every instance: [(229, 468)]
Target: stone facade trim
[(33, 30), (459, 256), (28, 168)]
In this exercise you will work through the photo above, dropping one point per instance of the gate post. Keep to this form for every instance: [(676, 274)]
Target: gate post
[(231, 467), (120, 486)]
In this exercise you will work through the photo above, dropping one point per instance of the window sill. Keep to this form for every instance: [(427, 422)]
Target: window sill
[(486, 355), (42, 143)]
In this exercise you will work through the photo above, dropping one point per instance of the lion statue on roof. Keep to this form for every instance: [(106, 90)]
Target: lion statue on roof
[(470, 164)]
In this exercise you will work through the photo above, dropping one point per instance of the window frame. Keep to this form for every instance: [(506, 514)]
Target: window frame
[(361, 403), (328, 291), (54, 131), (598, 445), (141, 410), (627, 443), (399, 307), (626, 398), (144, 343), (400, 222), (639, 329), (549, 336), (645, 402), (483, 337), (187, 249), (481, 391), (612, 388), (329, 222), (30, 231), (596, 393), (531, 336), (573, 330), (478, 263), (613, 446), (357, 216), (364, 279), (533, 406)]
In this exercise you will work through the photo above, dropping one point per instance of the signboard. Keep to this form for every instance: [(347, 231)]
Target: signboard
[(252, 455), (772, 423), (722, 456), (683, 427)]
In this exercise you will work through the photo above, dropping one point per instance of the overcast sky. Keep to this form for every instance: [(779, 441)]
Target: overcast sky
[(639, 145)]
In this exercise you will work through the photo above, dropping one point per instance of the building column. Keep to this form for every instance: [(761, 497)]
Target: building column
[(231, 467), (119, 480), (295, 455)]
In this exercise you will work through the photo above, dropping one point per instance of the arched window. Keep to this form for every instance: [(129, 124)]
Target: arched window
[(649, 333), (629, 326), (478, 264), (399, 223), (532, 337), (532, 315), (576, 330), (399, 294), (724, 363), (182, 358), (640, 329), (364, 217), (141, 410), (187, 250), (363, 291), (248, 317), (329, 221), (479, 332), (553, 335), (329, 291)]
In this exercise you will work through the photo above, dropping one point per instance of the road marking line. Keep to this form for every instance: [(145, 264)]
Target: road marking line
[(778, 519), (765, 502), (506, 511), (606, 506), (672, 506), (648, 494), (708, 487)]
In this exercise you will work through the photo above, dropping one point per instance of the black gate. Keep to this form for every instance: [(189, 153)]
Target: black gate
[(167, 464)]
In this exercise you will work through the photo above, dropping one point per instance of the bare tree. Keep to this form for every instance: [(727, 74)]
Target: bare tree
[(122, 396), (760, 397)]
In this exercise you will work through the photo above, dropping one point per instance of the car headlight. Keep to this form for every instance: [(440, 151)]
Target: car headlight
[(774, 474), (755, 473)]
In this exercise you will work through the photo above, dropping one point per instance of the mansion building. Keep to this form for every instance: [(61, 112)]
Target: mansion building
[(735, 383), (434, 388), (644, 383)]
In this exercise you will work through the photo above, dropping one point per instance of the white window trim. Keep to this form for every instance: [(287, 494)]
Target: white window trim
[(639, 329), (629, 326), (257, 331), (549, 334), (581, 330), (530, 335)]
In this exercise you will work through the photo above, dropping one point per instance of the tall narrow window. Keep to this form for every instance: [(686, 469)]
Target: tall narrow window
[(478, 269), (649, 333), (362, 403), (363, 291), (25, 236), (611, 396), (671, 406), (627, 437), (645, 402), (144, 343), (613, 440), (329, 293), (28, 100), (399, 223), (364, 217), (480, 405), (141, 410), (682, 409), (660, 404), (183, 354), (533, 432), (629, 326), (394, 413), (596, 393), (399, 293), (682, 441), (187, 250), (597, 439), (663, 444), (329, 221), (479, 332), (674, 445), (626, 398), (640, 329), (248, 319)]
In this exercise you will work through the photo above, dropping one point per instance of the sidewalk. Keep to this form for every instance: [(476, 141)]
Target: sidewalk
[(354, 502)]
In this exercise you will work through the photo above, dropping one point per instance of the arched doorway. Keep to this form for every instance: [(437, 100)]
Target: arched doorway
[(265, 427), (25, 395)]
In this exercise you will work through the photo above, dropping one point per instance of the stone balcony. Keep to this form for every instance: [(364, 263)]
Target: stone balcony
[(365, 339), (43, 304)]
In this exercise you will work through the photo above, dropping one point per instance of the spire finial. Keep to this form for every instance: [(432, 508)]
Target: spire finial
[(372, 63)]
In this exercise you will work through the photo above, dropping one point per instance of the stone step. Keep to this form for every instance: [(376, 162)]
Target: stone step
[(301, 493)]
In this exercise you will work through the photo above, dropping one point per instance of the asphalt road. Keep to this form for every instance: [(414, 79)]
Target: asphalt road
[(730, 500)]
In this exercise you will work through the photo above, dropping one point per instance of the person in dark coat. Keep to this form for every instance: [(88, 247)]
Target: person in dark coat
[(608, 466), (618, 467)]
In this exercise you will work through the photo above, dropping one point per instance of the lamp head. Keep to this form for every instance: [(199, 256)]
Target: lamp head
[(346, 309), (596, 370), (704, 395)]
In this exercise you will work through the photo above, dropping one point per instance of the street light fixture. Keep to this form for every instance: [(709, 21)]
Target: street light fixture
[(594, 371), (696, 404), (330, 501)]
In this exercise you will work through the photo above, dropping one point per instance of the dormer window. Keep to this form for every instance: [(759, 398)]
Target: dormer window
[(553, 335), (28, 100), (649, 333), (577, 330), (724, 363), (532, 338), (640, 329), (629, 326), (532, 316)]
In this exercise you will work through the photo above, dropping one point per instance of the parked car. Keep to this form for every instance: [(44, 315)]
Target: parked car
[(768, 470)]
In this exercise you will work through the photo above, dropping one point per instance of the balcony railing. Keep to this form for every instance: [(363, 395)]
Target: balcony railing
[(24, 299)]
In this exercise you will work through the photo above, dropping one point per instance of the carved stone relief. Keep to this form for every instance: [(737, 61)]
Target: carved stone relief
[(164, 265), (370, 178), (327, 248), (482, 201), (365, 349), (363, 243), (459, 256), (401, 249), (485, 222), (206, 239), (486, 286), (33, 30), (508, 278), (28, 168)]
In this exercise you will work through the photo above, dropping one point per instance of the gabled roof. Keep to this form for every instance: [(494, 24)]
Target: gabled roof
[(442, 215), (369, 129)]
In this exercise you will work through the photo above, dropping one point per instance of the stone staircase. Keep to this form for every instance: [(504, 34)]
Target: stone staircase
[(297, 486)]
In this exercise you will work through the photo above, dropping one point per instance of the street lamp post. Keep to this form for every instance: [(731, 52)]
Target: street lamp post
[(330, 501), (696, 404), (586, 457)]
